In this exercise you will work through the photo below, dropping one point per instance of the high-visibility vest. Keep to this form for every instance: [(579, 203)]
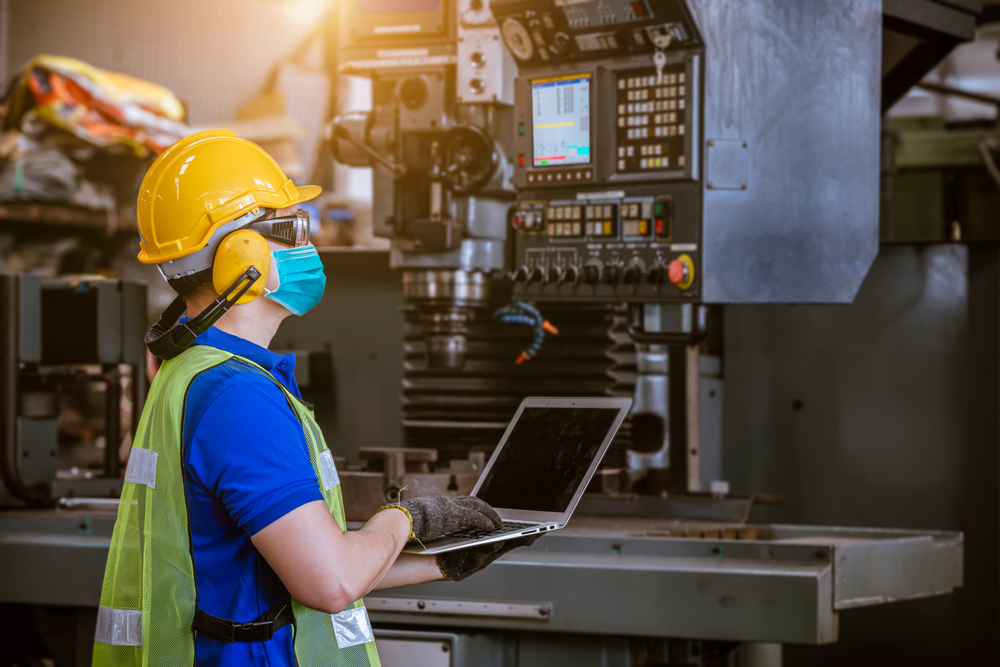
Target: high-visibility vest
[(149, 595)]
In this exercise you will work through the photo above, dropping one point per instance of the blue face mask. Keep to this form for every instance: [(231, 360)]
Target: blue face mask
[(300, 278)]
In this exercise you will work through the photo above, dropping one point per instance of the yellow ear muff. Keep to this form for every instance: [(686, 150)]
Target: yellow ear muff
[(236, 253)]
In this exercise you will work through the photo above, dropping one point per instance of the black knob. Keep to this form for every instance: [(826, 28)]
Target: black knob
[(552, 275), (610, 273), (560, 43), (631, 275), (520, 275), (655, 275), (537, 275), (591, 274), (569, 275)]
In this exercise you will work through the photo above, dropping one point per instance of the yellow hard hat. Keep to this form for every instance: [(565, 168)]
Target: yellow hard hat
[(202, 182)]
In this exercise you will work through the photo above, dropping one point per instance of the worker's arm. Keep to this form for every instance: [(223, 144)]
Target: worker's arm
[(411, 569), (327, 569)]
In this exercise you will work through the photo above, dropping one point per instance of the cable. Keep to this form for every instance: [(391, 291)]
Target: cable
[(519, 312)]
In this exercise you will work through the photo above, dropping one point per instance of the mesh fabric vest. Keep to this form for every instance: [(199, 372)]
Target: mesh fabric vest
[(149, 592)]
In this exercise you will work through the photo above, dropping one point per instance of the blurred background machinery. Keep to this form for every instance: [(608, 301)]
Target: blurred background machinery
[(438, 141)]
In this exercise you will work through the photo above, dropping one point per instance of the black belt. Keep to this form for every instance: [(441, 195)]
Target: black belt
[(228, 632)]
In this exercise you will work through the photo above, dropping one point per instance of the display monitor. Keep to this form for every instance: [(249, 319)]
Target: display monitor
[(546, 457), (560, 120)]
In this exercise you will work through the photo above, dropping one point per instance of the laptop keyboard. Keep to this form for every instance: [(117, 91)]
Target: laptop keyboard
[(475, 533)]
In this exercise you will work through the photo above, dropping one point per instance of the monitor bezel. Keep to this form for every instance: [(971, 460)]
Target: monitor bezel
[(621, 404)]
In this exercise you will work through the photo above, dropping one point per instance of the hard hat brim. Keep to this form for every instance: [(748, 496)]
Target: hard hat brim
[(307, 192)]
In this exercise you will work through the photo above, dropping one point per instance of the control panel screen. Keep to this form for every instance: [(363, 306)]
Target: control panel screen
[(560, 118)]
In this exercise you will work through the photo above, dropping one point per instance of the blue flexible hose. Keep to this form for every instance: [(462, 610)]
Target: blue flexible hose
[(519, 312)]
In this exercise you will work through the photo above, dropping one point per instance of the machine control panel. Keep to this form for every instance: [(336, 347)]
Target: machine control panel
[(651, 122), (549, 32), (606, 116), (615, 246)]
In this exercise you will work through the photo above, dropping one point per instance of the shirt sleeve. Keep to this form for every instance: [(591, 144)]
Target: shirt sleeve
[(245, 445)]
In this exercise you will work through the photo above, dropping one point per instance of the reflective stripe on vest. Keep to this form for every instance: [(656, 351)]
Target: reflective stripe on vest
[(148, 598), (119, 627), (141, 467)]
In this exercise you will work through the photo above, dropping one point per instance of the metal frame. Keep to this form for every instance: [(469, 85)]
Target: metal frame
[(787, 586)]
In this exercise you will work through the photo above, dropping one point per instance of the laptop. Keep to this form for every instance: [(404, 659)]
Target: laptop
[(540, 469)]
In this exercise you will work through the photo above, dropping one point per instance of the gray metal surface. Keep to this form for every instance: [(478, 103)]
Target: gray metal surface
[(882, 413), (784, 587), (800, 82), (37, 443), (780, 591), (955, 18)]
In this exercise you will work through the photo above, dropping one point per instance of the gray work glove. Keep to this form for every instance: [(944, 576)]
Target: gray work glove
[(457, 565), (434, 516)]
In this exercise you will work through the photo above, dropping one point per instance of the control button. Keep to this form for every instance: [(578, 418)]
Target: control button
[(520, 129), (609, 274), (631, 275), (517, 220), (552, 275), (569, 275), (537, 275), (677, 272), (521, 275), (591, 274), (520, 160), (560, 44), (655, 275)]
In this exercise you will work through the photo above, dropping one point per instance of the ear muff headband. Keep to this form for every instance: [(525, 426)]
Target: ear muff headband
[(239, 275), (166, 341), (239, 250)]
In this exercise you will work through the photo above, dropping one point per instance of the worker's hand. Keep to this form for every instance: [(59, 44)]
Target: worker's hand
[(457, 565), (434, 516)]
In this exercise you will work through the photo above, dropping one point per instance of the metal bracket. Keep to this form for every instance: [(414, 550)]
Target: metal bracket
[(534, 612)]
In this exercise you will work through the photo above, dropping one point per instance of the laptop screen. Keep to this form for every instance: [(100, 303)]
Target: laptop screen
[(546, 457)]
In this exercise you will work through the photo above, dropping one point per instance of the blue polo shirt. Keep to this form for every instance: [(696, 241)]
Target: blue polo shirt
[(246, 465)]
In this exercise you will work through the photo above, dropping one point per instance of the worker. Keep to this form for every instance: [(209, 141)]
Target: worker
[(230, 545)]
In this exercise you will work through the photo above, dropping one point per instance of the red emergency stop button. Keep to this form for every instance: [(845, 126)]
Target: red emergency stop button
[(676, 272), (680, 272)]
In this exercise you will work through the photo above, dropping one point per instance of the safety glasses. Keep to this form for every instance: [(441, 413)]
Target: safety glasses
[(290, 230)]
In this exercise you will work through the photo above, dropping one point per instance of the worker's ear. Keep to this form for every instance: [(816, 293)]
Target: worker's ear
[(236, 253)]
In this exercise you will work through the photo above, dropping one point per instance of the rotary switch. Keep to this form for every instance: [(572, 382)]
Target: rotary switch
[(569, 275), (631, 275)]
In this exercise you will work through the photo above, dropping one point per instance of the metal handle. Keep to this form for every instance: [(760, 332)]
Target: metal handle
[(699, 328), (341, 132)]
